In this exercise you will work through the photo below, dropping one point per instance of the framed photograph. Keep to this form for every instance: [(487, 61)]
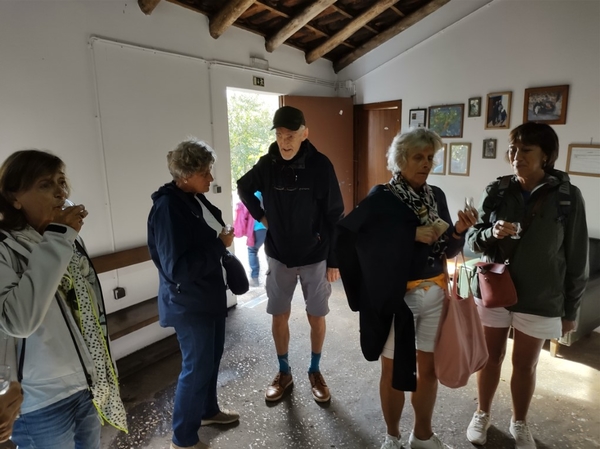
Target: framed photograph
[(546, 105), (584, 160), (460, 158), (489, 148), (475, 107), (417, 118), (447, 120), (439, 161), (497, 113)]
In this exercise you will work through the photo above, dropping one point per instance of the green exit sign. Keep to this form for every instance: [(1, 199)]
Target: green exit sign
[(258, 81)]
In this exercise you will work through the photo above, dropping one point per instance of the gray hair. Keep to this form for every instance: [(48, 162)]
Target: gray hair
[(189, 157), (415, 139)]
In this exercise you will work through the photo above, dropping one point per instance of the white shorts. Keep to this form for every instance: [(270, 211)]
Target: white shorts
[(426, 306), (535, 326)]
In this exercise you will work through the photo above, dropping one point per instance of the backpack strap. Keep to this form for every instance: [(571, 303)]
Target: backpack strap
[(564, 201), (504, 183)]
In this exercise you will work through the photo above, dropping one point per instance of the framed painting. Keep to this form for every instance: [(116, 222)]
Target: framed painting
[(460, 158), (475, 107), (417, 118), (489, 148), (497, 112), (447, 120), (546, 104), (584, 160), (439, 161)]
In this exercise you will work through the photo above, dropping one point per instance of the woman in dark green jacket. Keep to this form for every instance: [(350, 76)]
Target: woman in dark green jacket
[(548, 265)]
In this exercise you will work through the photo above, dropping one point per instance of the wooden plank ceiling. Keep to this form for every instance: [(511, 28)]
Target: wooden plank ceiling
[(338, 30)]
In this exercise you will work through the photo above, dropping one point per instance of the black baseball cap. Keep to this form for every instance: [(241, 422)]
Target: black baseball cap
[(288, 117)]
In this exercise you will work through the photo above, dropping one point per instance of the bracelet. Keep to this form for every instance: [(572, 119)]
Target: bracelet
[(458, 236)]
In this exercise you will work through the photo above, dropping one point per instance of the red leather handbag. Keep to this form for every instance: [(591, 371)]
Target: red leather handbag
[(495, 285)]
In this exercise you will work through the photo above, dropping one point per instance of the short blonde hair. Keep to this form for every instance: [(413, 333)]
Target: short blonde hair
[(189, 157), (416, 139)]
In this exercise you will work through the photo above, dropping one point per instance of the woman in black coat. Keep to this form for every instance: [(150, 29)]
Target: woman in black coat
[(391, 249)]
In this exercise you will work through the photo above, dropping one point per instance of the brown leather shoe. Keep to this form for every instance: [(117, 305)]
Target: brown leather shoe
[(277, 388), (320, 390)]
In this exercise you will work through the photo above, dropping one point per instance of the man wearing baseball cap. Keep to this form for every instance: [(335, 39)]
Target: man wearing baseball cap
[(302, 203)]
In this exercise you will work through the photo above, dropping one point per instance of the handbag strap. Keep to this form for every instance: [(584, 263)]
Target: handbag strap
[(452, 286)]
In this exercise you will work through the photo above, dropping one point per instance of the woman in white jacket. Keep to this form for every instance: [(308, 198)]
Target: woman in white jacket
[(52, 317)]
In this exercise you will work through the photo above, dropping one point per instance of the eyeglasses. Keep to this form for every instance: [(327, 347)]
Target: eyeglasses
[(286, 179)]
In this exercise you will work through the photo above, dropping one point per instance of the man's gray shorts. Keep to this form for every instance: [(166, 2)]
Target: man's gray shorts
[(281, 283)]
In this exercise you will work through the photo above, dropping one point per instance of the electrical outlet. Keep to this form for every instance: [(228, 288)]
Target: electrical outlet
[(119, 292)]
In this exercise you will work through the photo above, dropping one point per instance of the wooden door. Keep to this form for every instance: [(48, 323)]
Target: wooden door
[(375, 126), (330, 129)]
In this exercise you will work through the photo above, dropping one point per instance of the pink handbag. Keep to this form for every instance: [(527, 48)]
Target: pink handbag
[(460, 348)]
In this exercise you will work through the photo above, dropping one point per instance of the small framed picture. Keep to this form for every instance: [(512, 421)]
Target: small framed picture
[(498, 110), (447, 120), (489, 148), (475, 107), (460, 158), (417, 118), (546, 105), (439, 161), (583, 160)]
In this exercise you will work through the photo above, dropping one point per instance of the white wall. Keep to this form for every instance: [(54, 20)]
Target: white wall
[(112, 115), (508, 45), (49, 97)]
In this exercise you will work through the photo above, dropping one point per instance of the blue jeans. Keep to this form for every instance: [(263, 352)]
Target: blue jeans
[(259, 239), (201, 340), (72, 423)]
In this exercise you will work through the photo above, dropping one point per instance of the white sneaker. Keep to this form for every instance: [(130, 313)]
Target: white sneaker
[(520, 432), (432, 443), (478, 427), (392, 443)]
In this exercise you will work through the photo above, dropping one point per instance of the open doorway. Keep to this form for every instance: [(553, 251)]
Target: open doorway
[(250, 117)]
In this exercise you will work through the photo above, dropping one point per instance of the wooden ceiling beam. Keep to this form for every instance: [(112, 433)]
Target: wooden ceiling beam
[(147, 6), (227, 15), (397, 11), (349, 30), (308, 27), (350, 16), (392, 31), (296, 23)]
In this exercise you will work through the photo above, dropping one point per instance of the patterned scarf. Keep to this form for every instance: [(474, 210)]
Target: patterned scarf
[(83, 305), (424, 206)]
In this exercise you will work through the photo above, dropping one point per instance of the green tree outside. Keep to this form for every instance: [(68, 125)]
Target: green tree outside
[(250, 119)]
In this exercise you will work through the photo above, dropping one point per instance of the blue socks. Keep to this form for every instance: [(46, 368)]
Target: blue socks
[(315, 359), (284, 365)]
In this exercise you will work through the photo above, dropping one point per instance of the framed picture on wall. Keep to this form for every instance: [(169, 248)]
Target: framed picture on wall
[(489, 148), (439, 161), (497, 112), (460, 158), (584, 159), (475, 107), (546, 104), (417, 118), (447, 120)]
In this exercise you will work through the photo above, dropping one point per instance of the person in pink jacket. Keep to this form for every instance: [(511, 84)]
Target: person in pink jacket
[(255, 233)]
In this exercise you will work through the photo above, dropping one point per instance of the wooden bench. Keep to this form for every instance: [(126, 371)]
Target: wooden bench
[(137, 316)]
